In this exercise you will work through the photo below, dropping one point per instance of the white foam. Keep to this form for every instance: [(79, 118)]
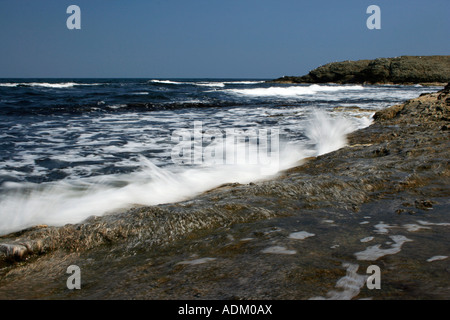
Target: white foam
[(117, 106), (367, 239), (350, 285), (9, 84), (210, 84), (219, 84), (426, 223), (382, 228), (201, 83), (301, 235), (327, 133), (53, 85), (375, 252), (278, 250), (76, 157), (291, 91), (196, 261), (71, 201), (166, 82), (437, 258), (48, 85), (414, 227), (74, 199), (243, 82), (192, 101)]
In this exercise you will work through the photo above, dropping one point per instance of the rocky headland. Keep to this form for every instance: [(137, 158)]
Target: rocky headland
[(310, 232), (426, 70)]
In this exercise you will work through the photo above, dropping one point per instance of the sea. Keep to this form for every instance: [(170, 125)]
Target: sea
[(75, 148)]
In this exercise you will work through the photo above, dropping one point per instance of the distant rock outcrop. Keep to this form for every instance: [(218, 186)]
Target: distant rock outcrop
[(400, 70)]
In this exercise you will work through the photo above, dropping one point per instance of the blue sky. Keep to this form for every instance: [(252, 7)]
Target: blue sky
[(210, 38)]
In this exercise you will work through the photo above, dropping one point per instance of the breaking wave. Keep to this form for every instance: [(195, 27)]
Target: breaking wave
[(23, 205), (291, 91), (47, 84)]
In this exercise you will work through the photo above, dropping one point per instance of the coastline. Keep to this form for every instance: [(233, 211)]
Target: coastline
[(395, 171)]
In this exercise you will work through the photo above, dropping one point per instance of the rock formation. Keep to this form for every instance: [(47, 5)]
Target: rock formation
[(400, 70)]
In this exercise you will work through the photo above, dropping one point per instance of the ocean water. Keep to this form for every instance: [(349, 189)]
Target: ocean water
[(73, 148)]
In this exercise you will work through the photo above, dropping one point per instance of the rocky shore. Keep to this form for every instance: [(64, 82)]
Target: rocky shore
[(309, 233), (426, 70)]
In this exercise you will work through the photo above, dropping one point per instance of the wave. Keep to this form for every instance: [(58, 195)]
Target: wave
[(292, 91), (23, 205), (328, 134), (47, 84), (166, 82), (9, 84), (201, 83), (243, 82), (67, 201), (210, 84), (220, 84)]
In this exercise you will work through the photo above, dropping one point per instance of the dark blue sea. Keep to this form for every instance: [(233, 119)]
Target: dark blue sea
[(73, 148)]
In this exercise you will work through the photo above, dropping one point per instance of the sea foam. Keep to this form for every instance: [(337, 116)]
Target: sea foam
[(72, 200), (60, 85), (292, 91)]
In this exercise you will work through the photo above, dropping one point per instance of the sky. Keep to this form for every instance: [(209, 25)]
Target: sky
[(210, 38)]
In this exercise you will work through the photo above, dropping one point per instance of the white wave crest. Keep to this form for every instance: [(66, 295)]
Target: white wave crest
[(219, 84), (210, 84), (243, 82), (48, 85), (292, 91), (166, 82)]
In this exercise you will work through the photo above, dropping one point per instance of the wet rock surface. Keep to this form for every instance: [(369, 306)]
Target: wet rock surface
[(400, 70), (385, 197)]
